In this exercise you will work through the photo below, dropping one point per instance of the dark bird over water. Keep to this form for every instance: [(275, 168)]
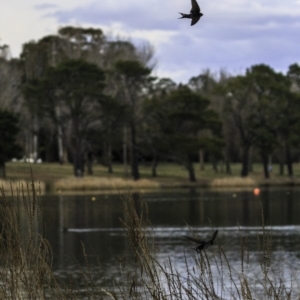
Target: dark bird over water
[(203, 244), (194, 14)]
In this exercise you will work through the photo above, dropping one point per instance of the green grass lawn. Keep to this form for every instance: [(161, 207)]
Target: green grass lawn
[(50, 172)]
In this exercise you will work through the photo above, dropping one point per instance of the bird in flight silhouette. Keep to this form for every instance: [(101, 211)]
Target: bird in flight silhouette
[(194, 14), (203, 244)]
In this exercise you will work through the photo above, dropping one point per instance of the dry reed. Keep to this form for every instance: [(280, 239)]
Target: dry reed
[(233, 182), (102, 183), (7, 186), (25, 254)]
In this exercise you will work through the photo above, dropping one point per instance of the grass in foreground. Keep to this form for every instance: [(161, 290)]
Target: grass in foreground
[(26, 271)]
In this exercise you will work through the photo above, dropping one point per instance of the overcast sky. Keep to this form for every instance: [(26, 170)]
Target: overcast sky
[(232, 34)]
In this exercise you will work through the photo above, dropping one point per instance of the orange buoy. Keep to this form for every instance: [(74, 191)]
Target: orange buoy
[(256, 191)]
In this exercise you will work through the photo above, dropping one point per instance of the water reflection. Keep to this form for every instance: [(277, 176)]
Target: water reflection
[(94, 220)]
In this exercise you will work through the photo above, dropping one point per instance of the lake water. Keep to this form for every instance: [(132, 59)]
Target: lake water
[(95, 221)]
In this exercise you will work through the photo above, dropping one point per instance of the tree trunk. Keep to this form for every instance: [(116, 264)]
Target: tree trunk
[(228, 166), (2, 170), (227, 161), (60, 145), (125, 151), (281, 162), (190, 168), (35, 138), (245, 161), (78, 163), (265, 162), (109, 158), (215, 165), (90, 163), (35, 146), (154, 165), (66, 159), (222, 166), (289, 160), (250, 168), (201, 160), (134, 154), (281, 168), (78, 158), (59, 137)]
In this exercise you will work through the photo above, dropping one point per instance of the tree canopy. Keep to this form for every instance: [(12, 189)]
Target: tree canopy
[(9, 147), (77, 88), (84, 98)]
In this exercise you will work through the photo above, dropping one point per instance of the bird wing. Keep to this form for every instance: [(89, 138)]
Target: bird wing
[(194, 240), (195, 20), (195, 7), (214, 236)]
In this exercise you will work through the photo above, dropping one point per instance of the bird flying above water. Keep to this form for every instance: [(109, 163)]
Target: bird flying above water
[(203, 244), (194, 14)]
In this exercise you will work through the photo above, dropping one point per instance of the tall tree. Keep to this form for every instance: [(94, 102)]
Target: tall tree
[(207, 84), (113, 115), (133, 78), (115, 51), (11, 80), (35, 65), (290, 115), (83, 43), (154, 143), (182, 114), (37, 57), (269, 90), (239, 104), (9, 130), (204, 83), (294, 75), (77, 88)]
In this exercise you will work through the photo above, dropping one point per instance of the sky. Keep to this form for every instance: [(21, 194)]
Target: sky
[(231, 36)]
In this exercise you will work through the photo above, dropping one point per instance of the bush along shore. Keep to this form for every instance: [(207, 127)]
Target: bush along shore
[(26, 262)]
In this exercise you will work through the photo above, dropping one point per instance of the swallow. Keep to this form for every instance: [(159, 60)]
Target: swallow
[(194, 14), (203, 244)]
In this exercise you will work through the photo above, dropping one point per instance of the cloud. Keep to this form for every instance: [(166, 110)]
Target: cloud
[(186, 55), (231, 37), (233, 34), (130, 16), (44, 6)]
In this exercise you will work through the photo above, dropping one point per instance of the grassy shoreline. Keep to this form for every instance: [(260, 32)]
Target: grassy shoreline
[(55, 178)]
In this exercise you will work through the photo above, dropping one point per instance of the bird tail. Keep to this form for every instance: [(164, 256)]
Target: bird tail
[(183, 16)]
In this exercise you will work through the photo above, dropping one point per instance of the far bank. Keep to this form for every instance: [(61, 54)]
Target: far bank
[(55, 178)]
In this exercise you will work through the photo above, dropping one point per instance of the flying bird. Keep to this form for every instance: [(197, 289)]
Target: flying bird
[(194, 14), (203, 244)]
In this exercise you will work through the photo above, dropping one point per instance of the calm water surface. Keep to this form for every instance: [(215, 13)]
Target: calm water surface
[(94, 220)]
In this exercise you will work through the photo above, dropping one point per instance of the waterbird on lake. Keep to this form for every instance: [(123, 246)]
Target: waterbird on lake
[(194, 14), (203, 244)]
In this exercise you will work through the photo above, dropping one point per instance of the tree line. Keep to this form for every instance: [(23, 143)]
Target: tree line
[(81, 97)]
